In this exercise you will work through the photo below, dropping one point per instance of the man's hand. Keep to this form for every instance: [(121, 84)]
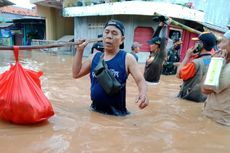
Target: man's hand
[(221, 53), (161, 24), (169, 21), (207, 91), (176, 63), (81, 44), (143, 101), (189, 52)]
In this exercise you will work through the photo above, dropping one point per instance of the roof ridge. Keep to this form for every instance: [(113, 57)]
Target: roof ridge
[(18, 10)]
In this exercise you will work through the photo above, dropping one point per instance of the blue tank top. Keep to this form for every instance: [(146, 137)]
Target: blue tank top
[(109, 104)]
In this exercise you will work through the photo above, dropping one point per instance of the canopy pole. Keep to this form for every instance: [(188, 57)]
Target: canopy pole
[(173, 22)]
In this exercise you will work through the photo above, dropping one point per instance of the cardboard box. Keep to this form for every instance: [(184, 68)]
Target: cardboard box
[(213, 74)]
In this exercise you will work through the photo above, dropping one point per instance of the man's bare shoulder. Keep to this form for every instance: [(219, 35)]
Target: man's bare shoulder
[(130, 57)]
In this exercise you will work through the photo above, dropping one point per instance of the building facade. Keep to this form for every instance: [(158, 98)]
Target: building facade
[(89, 17)]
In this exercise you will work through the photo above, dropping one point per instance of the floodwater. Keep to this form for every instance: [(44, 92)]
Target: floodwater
[(167, 125)]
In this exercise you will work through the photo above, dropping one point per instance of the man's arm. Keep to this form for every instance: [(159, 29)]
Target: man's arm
[(164, 37), (133, 69), (185, 61), (80, 69), (158, 30), (206, 90)]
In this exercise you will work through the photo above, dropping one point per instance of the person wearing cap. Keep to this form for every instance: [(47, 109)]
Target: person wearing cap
[(98, 46), (120, 65), (217, 105), (192, 72), (135, 49), (154, 64), (173, 58)]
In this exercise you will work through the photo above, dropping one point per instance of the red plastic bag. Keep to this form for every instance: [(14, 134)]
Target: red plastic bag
[(22, 100)]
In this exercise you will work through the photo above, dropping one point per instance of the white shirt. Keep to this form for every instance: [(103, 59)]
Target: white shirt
[(217, 106)]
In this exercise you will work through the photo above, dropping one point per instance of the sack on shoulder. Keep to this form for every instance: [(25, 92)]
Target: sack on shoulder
[(106, 79)]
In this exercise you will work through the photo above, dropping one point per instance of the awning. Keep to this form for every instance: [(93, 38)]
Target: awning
[(48, 3), (214, 27), (29, 20), (5, 3), (5, 25)]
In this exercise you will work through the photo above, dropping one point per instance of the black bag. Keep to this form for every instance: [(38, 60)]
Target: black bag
[(106, 79)]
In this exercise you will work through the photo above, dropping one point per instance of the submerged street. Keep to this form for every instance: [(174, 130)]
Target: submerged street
[(167, 125)]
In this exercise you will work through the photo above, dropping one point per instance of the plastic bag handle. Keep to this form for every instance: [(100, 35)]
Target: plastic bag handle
[(16, 52)]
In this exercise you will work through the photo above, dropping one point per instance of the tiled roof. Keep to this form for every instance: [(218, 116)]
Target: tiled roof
[(18, 10)]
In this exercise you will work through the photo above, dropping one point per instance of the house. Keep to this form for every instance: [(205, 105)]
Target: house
[(57, 26), (89, 21), (20, 25)]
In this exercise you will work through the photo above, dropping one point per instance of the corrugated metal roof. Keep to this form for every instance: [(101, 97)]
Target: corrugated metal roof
[(214, 27)]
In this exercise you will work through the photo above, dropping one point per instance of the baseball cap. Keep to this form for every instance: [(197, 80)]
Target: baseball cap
[(155, 40), (227, 34), (208, 39), (100, 36), (119, 25), (99, 46)]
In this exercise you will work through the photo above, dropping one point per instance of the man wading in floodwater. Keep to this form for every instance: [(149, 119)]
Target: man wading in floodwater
[(154, 64), (119, 63)]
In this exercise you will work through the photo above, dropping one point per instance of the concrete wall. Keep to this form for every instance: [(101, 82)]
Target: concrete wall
[(56, 25)]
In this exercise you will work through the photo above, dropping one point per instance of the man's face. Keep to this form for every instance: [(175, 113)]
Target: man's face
[(112, 38), (136, 49), (154, 47), (225, 45)]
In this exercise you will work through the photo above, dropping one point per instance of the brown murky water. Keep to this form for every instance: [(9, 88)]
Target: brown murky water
[(167, 125)]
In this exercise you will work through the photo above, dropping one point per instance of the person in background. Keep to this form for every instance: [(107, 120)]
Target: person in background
[(154, 64), (135, 49), (217, 105), (98, 46), (173, 59), (193, 72), (120, 65)]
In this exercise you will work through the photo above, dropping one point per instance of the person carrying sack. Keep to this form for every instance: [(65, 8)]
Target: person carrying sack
[(116, 62)]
